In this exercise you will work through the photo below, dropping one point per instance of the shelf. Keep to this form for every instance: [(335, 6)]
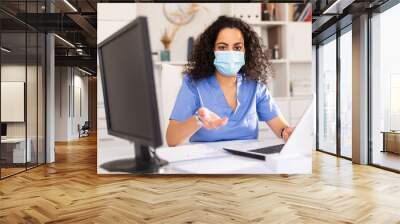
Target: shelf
[(273, 61), (268, 23), (300, 61), (277, 61), (298, 97), (158, 63), (292, 38), (298, 22)]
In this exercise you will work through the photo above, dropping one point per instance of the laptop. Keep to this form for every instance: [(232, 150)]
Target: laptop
[(302, 140)]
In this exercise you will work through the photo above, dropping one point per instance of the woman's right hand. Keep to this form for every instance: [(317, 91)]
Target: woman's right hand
[(210, 119)]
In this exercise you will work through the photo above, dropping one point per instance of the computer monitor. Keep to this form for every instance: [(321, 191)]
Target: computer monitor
[(130, 100), (3, 130)]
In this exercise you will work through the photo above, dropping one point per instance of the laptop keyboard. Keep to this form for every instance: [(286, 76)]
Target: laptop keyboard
[(269, 149)]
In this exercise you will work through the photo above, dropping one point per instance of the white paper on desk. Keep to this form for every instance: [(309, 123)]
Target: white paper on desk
[(290, 163), (191, 152), (224, 165)]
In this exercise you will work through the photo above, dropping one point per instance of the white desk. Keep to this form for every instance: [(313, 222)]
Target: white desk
[(18, 153), (292, 163)]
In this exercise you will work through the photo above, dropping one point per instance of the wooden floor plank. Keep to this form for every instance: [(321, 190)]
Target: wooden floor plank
[(70, 191)]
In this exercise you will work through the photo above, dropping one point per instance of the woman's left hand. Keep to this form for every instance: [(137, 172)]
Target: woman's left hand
[(287, 132)]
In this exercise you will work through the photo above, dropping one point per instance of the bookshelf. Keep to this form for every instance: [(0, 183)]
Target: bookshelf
[(293, 84), (292, 69)]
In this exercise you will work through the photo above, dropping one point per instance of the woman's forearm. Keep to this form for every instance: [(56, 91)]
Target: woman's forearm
[(277, 124), (178, 132)]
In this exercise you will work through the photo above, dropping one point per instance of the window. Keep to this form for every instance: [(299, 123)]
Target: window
[(346, 93), (385, 89), (327, 97), (22, 77)]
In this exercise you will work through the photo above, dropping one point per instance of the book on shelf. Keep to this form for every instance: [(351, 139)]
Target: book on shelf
[(300, 87), (301, 12)]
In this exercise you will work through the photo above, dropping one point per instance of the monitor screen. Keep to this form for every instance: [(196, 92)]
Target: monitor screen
[(128, 84)]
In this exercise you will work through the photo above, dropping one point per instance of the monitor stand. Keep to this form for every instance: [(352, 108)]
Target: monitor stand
[(143, 162)]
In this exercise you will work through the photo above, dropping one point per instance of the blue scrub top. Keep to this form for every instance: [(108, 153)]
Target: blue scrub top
[(254, 103)]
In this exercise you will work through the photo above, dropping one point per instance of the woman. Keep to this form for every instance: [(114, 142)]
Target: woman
[(224, 94)]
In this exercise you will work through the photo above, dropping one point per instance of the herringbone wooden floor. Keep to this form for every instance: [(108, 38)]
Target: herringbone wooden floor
[(70, 191)]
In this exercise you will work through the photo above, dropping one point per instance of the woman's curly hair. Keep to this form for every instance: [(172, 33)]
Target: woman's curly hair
[(201, 61)]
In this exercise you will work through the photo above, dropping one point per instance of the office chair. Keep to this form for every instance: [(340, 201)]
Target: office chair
[(84, 130)]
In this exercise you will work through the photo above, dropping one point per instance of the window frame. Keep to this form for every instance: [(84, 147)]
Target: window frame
[(333, 37), (27, 29)]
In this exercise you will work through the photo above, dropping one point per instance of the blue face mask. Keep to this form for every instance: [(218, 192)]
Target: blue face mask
[(229, 63)]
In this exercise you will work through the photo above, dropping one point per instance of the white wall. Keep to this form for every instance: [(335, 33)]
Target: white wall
[(33, 126), (158, 23), (15, 72), (81, 81), (113, 16), (314, 68), (80, 104), (111, 21), (61, 103), (67, 81)]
